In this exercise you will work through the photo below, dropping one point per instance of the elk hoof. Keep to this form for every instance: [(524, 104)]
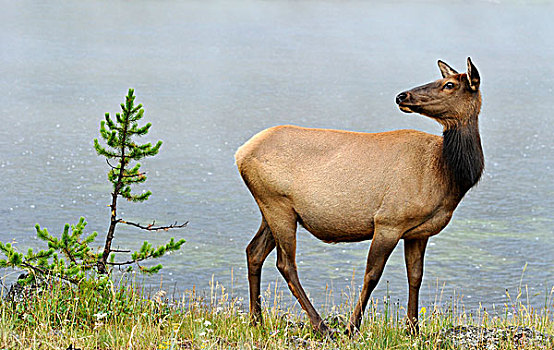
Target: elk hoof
[(332, 333), (412, 328), (326, 331), (351, 330), (256, 320)]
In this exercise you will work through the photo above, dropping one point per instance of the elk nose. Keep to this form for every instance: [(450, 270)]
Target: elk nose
[(401, 97)]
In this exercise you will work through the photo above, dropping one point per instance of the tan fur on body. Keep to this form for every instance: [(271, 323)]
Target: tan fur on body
[(348, 186), (345, 181)]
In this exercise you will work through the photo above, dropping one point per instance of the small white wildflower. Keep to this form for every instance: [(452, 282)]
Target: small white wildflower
[(207, 323), (100, 315)]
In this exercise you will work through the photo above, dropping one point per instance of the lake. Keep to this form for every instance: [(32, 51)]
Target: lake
[(212, 74)]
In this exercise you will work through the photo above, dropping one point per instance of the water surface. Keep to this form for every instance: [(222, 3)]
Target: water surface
[(213, 74)]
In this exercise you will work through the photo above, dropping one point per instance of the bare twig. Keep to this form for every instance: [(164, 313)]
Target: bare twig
[(111, 166), (123, 263), (121, 251), (151, 227), (129, 262)]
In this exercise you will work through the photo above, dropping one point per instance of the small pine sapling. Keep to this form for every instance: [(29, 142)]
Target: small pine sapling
[(119, 136), (70, 257)]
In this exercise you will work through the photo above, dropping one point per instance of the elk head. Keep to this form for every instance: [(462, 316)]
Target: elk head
[(453, 100)]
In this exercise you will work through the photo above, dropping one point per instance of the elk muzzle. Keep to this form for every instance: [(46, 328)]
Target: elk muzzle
[(401, 98)]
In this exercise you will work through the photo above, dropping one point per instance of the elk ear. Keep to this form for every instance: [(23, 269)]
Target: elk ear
[(446, 70), (473, 75)]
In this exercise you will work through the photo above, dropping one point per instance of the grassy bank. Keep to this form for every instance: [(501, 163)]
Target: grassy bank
[(57, 317)]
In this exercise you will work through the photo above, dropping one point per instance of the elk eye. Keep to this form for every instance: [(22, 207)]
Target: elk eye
[(449, 86)]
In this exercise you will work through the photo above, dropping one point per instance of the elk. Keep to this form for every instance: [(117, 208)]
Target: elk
[(347, 186)]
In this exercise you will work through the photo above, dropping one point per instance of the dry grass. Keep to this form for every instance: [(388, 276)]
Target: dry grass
[(57, 317)]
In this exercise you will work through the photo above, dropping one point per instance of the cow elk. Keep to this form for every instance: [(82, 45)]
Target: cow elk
[(349, 186)]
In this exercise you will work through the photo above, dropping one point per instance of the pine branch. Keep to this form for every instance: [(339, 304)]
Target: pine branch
[(147, 252), (42, 272), (101, 151)]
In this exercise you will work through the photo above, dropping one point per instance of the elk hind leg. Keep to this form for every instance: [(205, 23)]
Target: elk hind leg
[(287, 266), (283, 225), (257, 251), (282, 220)]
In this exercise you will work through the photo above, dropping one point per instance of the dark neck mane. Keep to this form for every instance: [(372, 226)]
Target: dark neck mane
[(463, 156)]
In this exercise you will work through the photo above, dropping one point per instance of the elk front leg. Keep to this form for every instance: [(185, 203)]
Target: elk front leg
[(414, 251), (257, 251), (381, 247)]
